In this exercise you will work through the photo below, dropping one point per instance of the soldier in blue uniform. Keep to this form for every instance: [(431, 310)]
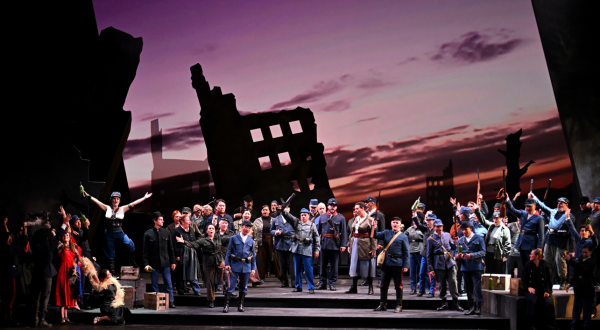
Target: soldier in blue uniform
[(532, 228), (304, 247), (473, 249), (396, 263), (441, 264), (427, 282), (240, 261), (333, 241), (557, 238), (284, 233)]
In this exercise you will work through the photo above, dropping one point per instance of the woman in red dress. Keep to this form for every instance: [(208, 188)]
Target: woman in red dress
[(69, 257)]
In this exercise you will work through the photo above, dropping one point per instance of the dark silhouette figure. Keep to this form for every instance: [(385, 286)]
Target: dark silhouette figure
[(514, 171), (438, 191), (267, 155)]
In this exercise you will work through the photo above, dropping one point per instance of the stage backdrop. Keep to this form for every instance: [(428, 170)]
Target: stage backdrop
[(401, 91)]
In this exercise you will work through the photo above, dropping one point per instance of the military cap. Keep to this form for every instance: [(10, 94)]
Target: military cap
[(530, 201), (421, 206), (497, 205), (246, 223), (466, 224), (563, 199), (314, 202), (431, 217), (584, 200), (465, 210), (438, 222), (332, 201), (115, 194), (370, 199), (304, 211)]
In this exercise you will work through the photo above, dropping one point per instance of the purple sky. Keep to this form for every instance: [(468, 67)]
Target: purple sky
[(375, 73)]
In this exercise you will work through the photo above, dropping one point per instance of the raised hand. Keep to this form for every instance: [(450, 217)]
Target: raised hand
[(452, 201), (148, 195)]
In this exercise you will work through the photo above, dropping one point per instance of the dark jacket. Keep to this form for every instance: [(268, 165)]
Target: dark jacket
[(539, 278), (82, 240), (583, 278), (158, 248), (425, 230), (436, 256), (532, 229), (592, 240), (380, 218), (476, 248), (339, 222), (43, 248), (398, 248), (9, 258), (188, 236)]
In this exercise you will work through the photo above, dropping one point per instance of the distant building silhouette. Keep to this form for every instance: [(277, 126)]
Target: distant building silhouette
[(438, 191), (175, 182), (267, 155)]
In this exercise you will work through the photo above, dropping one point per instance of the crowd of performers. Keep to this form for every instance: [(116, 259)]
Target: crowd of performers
[(227, 251)]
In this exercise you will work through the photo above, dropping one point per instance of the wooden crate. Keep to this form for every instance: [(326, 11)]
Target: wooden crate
[(501, 281), (156, 301), (130, 273), (140, 289), (129, 296), (516, 289)]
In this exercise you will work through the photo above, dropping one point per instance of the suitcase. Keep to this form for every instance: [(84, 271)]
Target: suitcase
[(129, 295), (130, 273), (500, 282), (156, 301), (140, 289)]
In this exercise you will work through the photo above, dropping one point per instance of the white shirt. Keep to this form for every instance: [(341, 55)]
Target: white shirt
[(468, 238), (358, 222), (118, 215), (244, 237)]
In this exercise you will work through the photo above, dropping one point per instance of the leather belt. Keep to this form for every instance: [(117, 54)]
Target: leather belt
[(395, 256), (267, 236), (360, 235), (330, 235), (246, 260)]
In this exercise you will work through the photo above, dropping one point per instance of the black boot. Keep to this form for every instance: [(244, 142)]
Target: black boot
[(477, 309), (471, 310), (210, 304), (353, 288), (399, 294), (444, 305), (241, 303), (370, 280), (42, 321), (456, 305), (226, 306), (383, 301), (111, 267)]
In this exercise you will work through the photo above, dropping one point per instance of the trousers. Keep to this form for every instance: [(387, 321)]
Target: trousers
[(332, 257), (557, 260), (40, 295), (512, 263), (473, 285), (210, 272), (426, 280), (286, 265), (447, 275), (243, 277), (306, 261), (387, 274), (493, 265), (415, 265), (166, 274), (113, 238)]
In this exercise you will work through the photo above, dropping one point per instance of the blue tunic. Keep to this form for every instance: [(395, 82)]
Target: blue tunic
[(398, 247), (283, 241), (476, 248), (339, 222), (532, 229), (436, 256), (238, 248)]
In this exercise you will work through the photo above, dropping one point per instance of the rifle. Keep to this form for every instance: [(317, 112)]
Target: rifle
[(531, 186), (547, 189), (478, 188), (377, 210), (284, 204), (503, 202)]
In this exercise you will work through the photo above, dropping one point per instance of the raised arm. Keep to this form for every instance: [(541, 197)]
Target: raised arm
[(290, 218), (572, 230), (101, 205), (132, 204), (541, 204), (486, 223)]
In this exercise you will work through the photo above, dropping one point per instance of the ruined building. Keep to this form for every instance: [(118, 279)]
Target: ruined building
[(267, 155), (438, 191), (175, 182)]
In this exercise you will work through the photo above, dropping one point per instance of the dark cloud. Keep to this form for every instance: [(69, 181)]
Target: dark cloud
[(320, 90), (336, 106), (475, 47), (153, 116), (374, 83), (408, 60), (367, 119), (173, 139)]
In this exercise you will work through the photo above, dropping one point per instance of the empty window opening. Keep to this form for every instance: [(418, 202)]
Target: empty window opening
[(295, 185), (276, 131), (284, 158), (296, 127), (441, 183), (195, 187), (265, 163), (256, 135), (309, 158), (311, 185)]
